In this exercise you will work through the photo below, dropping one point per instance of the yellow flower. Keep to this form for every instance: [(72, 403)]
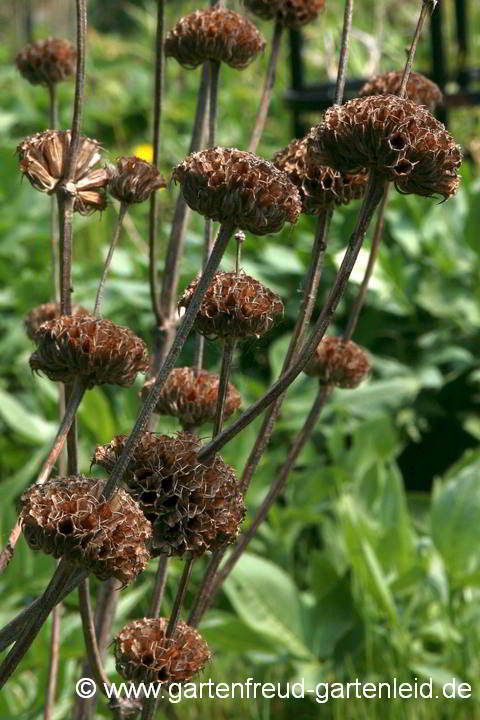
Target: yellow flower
[(144, 152)]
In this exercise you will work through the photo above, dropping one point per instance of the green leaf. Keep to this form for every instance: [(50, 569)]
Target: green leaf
[(96, 413), (32, 428)]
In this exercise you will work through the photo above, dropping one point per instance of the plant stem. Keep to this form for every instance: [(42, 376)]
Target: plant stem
[(101, 287), (53, 106), (159, 586), (78, 103), (428, 6), (90, 637), (228, 350), (262, 111), (343, 61), (50, 690), (7, 553)]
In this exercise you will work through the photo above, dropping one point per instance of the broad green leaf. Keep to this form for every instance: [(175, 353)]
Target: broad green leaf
[(32, 428), (96, 413)]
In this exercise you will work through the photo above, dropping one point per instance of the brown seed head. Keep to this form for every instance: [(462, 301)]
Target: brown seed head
[(44, 313), (214, 34), (191, 395), (420, 89), (238, 188), (47, 62), (133, 180), (143, 653), (68, 517), (318, 185), (291, 13), (96, 349), (192, 506), (394, 137), (42, 160), (339, 362), (234, 306)]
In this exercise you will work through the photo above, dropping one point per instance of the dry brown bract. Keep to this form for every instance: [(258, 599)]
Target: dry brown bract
[(133, 180), (318, 185), (47, 62), (68, 517), (339, 362), (234, 306), (144, 654), (44, 313), (191, 396), (192, 506), (291, 13), (238, 188), (98, 350), (394, 137), (42, 160), (420, 89), (214, 34)]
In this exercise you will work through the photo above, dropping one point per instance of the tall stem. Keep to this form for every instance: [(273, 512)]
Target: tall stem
[(101, 286), (159, 587), (78, 103), (343, 61), (51, 686), (228, 350), (7, 553), (264, 105), (90, 637), (428, 6)]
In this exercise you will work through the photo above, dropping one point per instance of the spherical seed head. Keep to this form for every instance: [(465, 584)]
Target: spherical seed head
[(394, 137), (318, 185), (420, 89), (214, 34), (234, 306), (291, 13), (132, 180), (47, 62), (68, 517), (193, 507), (95, 349), (144, 653), (339, 362), (191, 396), (238, 188), (44, 313), (42, 161)]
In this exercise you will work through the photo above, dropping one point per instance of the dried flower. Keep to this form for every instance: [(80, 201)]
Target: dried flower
[(420, 89), (239, 188), (96, 349), (191, 396), (291, 13), (46, 62), (42, 160), (44, 313), (339, 362), (394, 137), (68, 517), (192, 506), (214, 34), (143, 653), (133, 180)]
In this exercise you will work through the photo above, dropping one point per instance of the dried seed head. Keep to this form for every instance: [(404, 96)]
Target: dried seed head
[(143, 653), (291, 13), (44, 313), (133, 180), (238, 188), (392, 136), (234, 306), (339, 362), (191, 396), (98, 350), (192, 506), (42, 160), (214, 34), (318, 185), (47, 62), (68, 517), (420, 89)]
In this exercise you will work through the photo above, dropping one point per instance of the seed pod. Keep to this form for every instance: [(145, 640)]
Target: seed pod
[(214, 34), (44, 313), (339, 362), (234, 306), (291, 13), (46, 62), (96, 349), (420, 89), (394, 137), (238, 188), (68, 517), (143, 653), (133, 180), (42, 160), (192, 506), (191, 396), (318, 185)]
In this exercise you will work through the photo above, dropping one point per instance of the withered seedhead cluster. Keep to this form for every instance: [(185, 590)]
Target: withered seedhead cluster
[(46, 62), (132, 180), (143, 653), (214, 34), (394, 137), (339, 362), (420, 89), (238, 188), (95, 349), (68, 517), (318, 185), (234, 306), (42, 161), (191, 396), (192, 506), (44, 313), (291, 13)]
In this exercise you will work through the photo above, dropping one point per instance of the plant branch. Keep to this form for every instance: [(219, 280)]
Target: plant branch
[(264, 105), (101, 286), (343, 61), (159, 586), (428, 6), (90, 637), (51, 687)]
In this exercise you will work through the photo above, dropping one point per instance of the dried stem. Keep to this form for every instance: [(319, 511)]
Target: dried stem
[(343, 61), (78, 103), (159, 586), (51, 688), (428, 6), (262, 111), (116, 234), (52, 106), (228, 350), (7, 553), (90, 637)]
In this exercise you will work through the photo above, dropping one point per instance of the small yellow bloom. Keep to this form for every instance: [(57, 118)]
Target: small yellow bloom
[(144, 152)]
